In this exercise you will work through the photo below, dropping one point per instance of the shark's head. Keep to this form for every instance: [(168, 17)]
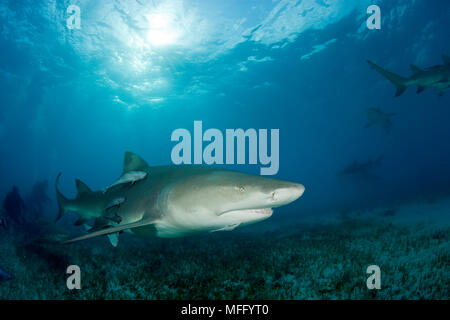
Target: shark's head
[(219, 199)]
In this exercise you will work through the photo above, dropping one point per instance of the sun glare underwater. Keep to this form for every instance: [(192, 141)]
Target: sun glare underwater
[(258, 149)]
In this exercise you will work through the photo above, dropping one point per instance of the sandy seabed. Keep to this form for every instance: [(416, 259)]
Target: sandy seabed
[(314, 259)]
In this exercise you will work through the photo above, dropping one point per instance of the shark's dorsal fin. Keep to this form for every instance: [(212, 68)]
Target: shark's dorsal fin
[(446, 59), (82, 188), (132, 162), (415, 69)]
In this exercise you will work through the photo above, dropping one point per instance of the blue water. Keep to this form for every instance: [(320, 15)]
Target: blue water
[(74, 100)]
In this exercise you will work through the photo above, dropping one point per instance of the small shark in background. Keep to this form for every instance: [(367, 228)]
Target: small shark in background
[(377, 117), (361, 168), (4, 275), (175, 201), (437, 77)]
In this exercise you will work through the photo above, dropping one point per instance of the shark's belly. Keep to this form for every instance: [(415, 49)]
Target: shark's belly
[(179, 224), (145, 231), (166, 229)]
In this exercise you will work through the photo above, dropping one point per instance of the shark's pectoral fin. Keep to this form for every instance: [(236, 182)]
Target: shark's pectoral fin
[(400, 90), (112, 230), (420, 89)]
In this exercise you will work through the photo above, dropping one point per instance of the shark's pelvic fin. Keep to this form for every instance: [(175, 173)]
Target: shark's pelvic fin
[(415, 69), (446, 59), (82, 188), (397, 80), (112, 230), (132, 162), (114, 239), (420, 89)]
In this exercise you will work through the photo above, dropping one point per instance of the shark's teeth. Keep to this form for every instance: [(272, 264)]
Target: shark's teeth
[(261, 211)]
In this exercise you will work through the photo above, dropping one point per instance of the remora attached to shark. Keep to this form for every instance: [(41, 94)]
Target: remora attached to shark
[(181, 200), (437, 77)]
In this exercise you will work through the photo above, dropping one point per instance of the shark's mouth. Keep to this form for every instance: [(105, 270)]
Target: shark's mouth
[(261, 211)]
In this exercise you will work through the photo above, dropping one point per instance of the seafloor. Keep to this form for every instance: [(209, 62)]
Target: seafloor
[(316, 259)]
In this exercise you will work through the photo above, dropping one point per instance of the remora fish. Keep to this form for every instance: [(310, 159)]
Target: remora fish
[(115, 203), (128, 177), (183, 200), (376, 116), (437, 77)]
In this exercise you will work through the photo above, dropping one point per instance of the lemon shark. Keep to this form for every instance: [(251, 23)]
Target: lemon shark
[(357, 168), (437, 77), (377, 117), (177, 200)]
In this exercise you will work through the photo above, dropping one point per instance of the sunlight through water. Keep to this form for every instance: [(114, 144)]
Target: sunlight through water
[(161, 30)]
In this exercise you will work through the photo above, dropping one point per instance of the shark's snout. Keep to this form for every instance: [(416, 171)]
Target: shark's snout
[(287, 193)]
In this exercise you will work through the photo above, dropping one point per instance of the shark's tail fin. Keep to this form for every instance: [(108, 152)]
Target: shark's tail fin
[(62, 200), (397, 80)]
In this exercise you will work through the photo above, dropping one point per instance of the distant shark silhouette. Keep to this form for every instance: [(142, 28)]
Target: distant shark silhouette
[(360, 168), (378, 117), (174, 201), (437, 77)]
